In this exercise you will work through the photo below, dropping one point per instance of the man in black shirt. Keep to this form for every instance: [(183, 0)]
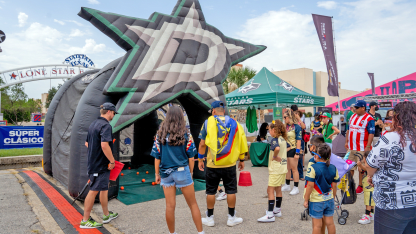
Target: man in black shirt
[(378, 121), (100, 162)]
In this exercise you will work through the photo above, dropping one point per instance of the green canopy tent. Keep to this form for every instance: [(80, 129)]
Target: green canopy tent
[(266, 90)]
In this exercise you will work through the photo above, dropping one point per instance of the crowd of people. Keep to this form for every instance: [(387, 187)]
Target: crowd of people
[(383, 149)]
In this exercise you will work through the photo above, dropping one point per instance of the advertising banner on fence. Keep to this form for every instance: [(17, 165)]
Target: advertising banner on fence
[(13, 137), (323, 25), (406, 84)]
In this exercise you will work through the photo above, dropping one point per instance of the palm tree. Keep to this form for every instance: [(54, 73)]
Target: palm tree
[(237, 77)]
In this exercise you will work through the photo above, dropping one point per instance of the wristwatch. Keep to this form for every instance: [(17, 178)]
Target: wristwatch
[(112, 163)]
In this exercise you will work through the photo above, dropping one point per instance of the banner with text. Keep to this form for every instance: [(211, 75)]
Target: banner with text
[(13, 137), (323, 25), (373, 87)]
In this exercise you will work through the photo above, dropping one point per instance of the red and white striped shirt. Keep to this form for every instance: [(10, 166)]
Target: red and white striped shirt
[(358, 133)]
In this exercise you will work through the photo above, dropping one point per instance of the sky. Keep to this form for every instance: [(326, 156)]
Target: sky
[(371, 35)]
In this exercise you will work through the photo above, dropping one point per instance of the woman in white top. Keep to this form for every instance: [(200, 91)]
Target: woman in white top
[(392, 171)]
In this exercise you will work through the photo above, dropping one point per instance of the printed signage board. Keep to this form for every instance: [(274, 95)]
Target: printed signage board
[(386, 105), (3, 122), (14, 137), (278, 113), (79, 60), (325, 109)]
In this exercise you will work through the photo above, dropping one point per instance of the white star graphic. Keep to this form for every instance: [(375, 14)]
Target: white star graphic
[(157, 65)]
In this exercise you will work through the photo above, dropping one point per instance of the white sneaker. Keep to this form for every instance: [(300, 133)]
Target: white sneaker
[(294, 191), (208, 221), (371, 216), (269, 217), (277, 212), (365, 220), (221, 196), (286, 188), (233, 220)]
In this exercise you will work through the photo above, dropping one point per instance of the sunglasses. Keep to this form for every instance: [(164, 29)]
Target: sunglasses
[(316, 154)]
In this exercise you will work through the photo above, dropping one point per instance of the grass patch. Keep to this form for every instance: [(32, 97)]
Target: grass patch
[(20, 152)]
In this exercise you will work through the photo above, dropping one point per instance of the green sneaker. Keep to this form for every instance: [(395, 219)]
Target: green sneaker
[(90, 224), (109, 217)]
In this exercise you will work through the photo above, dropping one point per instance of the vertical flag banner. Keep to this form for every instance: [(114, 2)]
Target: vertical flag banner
[(323, 25), (373, 87)]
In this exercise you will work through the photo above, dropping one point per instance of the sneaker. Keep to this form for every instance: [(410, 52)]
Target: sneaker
[(222, 196), (277, 212), (269, 217), (294, 191), (371, 216), (364, 220), (286, 188), (233, 220), (109, 217), (208, 221), (359, 190), (90, 224)]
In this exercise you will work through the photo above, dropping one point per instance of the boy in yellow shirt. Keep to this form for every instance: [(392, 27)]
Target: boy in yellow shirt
[(322, 179), (368, 194)]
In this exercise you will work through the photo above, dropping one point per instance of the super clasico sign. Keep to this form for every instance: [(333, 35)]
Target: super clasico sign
[(21, 137)]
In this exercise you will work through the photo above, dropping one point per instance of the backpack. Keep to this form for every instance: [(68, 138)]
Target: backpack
[(352, 198)]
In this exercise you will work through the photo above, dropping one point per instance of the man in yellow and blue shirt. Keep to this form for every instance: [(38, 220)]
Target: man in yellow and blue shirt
[(224, 142)]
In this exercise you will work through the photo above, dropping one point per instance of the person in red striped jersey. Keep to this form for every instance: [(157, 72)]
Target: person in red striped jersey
[(359, 136)]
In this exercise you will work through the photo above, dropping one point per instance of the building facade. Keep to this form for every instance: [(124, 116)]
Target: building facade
[(315, 83)]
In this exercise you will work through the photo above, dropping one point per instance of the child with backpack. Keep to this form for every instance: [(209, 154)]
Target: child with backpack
[(277, 170), (320, 199)]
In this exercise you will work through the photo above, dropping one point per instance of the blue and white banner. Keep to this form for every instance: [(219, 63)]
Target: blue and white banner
[(13, 137)]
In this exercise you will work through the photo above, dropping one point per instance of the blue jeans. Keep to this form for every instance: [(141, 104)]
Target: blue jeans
[(395, 221), (319, 209), (178, 178)]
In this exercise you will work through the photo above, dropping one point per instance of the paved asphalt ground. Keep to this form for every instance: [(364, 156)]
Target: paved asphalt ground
[(148, 217)]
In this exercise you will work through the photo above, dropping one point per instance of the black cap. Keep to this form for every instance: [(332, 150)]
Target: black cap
[(294, 107), (109, 106), (373, 103)]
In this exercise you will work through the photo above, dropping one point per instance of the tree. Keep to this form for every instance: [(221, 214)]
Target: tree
[(51, 94), (16, 105), (237, 77)]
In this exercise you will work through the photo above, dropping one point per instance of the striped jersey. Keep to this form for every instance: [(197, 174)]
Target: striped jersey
[(359, 129)]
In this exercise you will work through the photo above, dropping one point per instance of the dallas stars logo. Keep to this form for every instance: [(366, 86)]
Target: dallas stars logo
[(167, 56)]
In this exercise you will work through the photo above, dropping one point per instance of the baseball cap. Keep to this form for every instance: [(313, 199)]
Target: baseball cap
[(109, 106), (360, 103), (373, 103), (216, 104), (326, 114)]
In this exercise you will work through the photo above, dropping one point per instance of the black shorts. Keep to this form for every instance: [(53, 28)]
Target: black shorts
[(228, 175), (100, 182), (291, 153)]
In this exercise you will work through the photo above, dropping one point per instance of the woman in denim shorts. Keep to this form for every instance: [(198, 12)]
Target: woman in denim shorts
[(174, 152)]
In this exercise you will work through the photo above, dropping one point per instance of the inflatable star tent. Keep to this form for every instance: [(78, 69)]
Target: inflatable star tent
[(177, 57)]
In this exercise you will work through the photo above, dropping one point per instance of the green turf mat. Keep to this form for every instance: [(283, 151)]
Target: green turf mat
[(136, 191)]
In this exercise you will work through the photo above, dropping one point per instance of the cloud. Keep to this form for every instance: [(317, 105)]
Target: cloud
[(41, 44), (93, 2), (76, 33), (59, 22), (75, 22), (22, 17), (370, 37), (90, 47), (329, 5)]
